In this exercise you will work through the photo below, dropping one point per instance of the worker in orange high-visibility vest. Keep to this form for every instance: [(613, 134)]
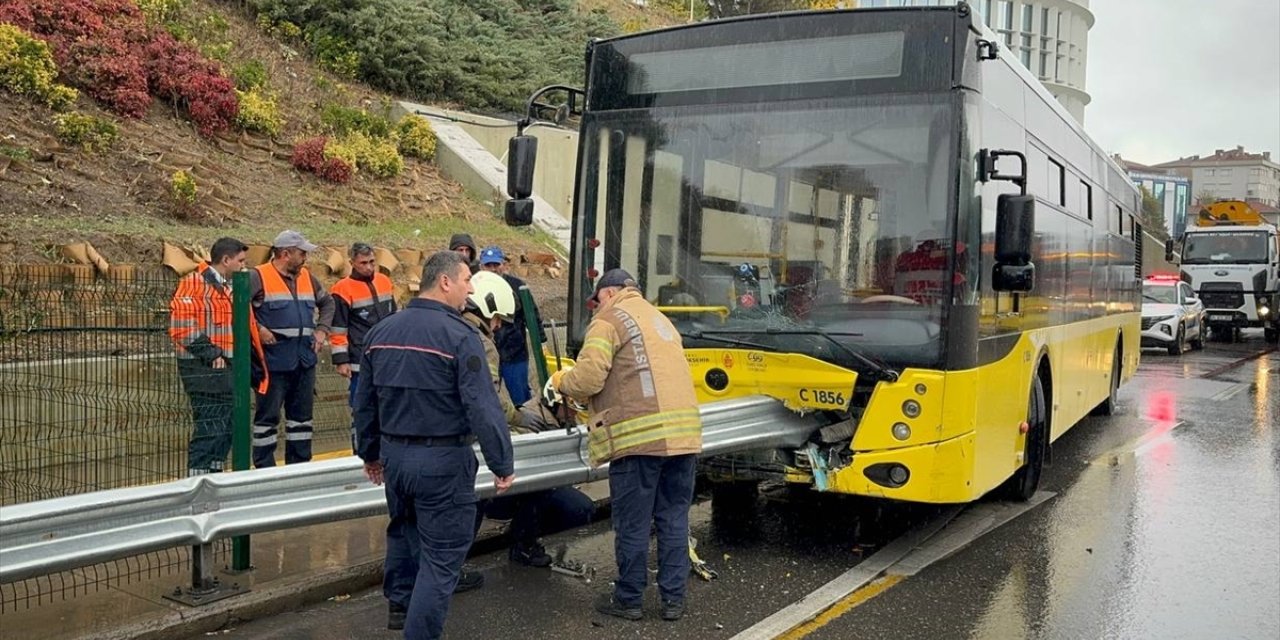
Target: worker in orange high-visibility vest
[(286, 301), (360, 301), (200, 326)]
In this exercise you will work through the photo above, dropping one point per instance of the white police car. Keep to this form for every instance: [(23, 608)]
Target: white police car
[(1172, 316)]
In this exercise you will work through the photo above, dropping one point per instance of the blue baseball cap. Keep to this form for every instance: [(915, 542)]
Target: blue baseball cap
[(492, 255)]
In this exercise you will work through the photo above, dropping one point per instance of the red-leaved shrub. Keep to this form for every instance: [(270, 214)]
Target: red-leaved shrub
[(180, 74), (308, 155), (106, 48)]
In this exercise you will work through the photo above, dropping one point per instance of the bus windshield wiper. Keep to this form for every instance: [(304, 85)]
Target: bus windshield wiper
[(703, 335), (881, 371)]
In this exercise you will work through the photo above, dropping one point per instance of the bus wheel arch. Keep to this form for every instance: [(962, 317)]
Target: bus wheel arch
[(1108, 405), (1022, 485)]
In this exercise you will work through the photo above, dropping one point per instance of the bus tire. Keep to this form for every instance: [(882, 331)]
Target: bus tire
[(734, 496), (1108, 407), (1022, 485)]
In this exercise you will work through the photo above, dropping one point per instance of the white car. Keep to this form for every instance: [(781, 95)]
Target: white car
[(1172, 316)]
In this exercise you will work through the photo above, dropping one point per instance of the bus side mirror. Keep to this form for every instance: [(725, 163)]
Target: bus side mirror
[(518, 213), (1015, 232), (1168, 250), (522, 154)]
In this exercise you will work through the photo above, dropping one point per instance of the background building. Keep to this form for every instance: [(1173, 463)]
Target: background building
[(1050, 37), (1172, 190), (1231, 174)]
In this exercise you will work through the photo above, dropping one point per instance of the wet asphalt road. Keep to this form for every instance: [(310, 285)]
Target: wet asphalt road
[(1158, 530)]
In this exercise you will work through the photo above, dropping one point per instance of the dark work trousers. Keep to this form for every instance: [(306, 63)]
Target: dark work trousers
[(294, 391), (646, 490), (431, 498), (210, 399), (539, 513)]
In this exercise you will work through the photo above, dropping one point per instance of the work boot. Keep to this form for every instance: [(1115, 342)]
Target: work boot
[(469, 581), (610, 607), (672, 610), (395, 616), (529, 554)]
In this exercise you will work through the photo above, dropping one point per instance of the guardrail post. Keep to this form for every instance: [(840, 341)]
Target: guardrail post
[(205, 587), (241, 407)]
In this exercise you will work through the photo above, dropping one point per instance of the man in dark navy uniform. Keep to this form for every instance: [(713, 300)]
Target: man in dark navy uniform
[(424, 395)]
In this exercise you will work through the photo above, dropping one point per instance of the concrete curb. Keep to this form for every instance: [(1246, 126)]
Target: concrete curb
[(256, 604)]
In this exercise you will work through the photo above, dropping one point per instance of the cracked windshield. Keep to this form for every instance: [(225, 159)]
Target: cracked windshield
[(821, 229)]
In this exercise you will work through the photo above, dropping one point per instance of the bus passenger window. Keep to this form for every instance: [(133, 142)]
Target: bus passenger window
[(1056, 193)]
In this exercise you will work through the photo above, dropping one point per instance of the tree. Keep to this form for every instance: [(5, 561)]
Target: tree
[(730, 8), (683, 8), (1153, 215), (1205, 197)]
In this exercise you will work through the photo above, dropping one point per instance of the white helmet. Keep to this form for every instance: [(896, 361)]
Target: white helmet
[(492, 295)]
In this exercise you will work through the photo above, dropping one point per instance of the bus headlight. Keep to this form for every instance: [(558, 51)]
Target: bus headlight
[(911, 409), (1264, 311), (901, 430)]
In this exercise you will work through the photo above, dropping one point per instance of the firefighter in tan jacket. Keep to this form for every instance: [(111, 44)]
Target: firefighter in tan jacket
[(643, 420)]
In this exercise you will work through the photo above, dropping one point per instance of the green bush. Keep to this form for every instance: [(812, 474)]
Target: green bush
[(89, 132), (484, 54), (15, 153), (250, 75), (160, 11), (378, 156), (334, 54), (259, 112), (182, 187), (27, 68), (281, 29), (417, 138), (342, 120)]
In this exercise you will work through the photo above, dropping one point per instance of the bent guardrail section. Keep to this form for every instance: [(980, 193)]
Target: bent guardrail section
[(44, 537)]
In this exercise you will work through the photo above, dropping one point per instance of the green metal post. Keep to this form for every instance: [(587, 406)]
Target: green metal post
[(242, 406), (535, 334)]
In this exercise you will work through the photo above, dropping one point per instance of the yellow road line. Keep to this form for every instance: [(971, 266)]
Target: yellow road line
[(331, 455), (842, 607)]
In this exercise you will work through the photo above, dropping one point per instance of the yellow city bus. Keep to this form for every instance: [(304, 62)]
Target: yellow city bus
[(878, 216)]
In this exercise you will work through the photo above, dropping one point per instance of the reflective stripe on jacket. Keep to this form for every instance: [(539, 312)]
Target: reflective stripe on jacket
[(358, 305), (633, 374), (200, 320), (290, 315)]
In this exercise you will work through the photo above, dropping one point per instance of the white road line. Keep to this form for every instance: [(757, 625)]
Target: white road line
[(821, 599), (968, 527), (910, 553)]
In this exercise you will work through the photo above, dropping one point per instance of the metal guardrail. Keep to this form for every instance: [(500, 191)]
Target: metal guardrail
[(43, 537)]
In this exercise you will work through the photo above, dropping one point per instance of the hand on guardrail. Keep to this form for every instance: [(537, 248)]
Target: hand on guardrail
[(501, 484), (373, 471)]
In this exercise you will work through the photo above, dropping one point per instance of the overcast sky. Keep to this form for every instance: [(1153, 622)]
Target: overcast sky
[(1173, 78)]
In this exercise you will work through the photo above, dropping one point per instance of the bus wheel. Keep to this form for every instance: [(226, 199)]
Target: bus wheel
[(1108, 407), (1024, 482), (734, 497)]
